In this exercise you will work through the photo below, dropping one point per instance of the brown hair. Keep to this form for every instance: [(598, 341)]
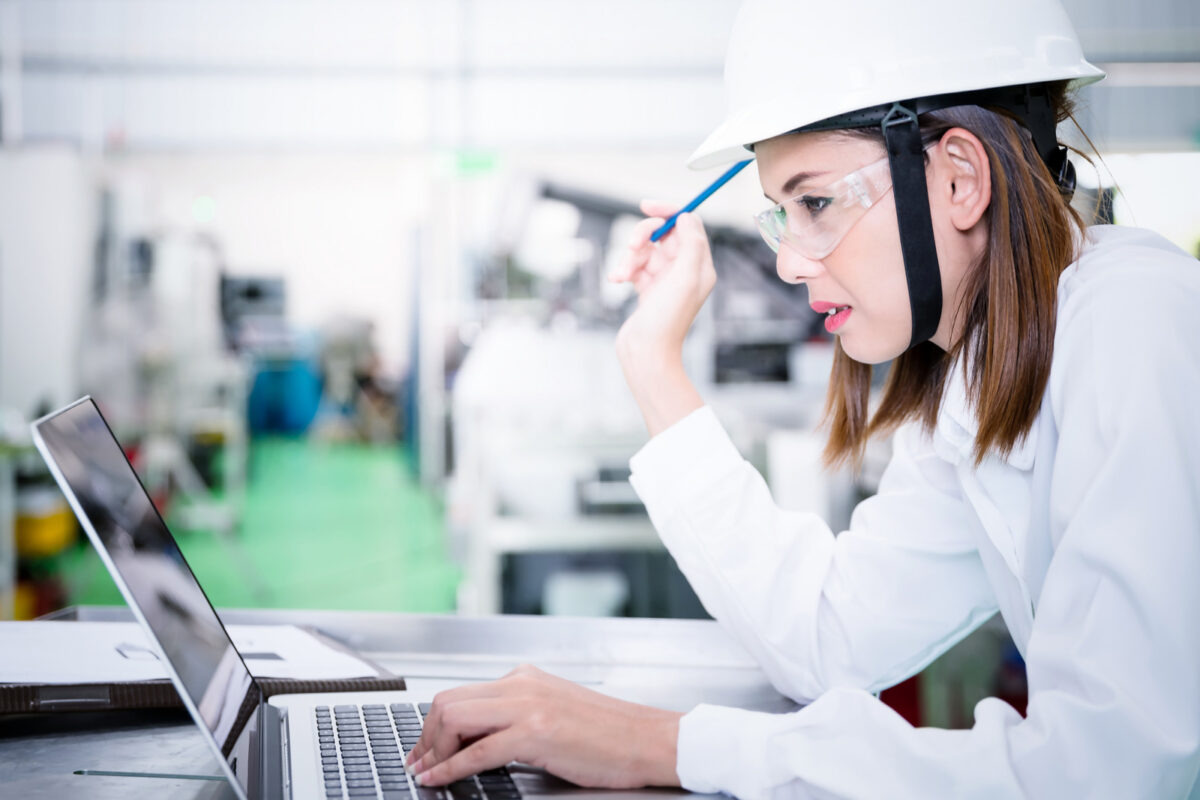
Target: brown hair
[(1008, 304)]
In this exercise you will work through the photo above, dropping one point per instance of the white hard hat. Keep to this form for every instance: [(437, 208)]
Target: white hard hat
[(792, 63)]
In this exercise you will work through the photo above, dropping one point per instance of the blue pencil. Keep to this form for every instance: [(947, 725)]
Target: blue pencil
[(700, 198)]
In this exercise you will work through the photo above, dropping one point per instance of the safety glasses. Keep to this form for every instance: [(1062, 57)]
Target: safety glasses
[(814, 223)]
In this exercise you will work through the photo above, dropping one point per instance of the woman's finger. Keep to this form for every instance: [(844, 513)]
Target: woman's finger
[(669, 248), (696, 224), (658, 208), (465, 720), (642, 282), (489, 752), (692, 235), (441, 700), (639, 250), (644, 228), (628, 266), (639, 239)]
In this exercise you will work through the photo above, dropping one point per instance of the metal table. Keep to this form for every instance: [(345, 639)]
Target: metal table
[(667, 663)]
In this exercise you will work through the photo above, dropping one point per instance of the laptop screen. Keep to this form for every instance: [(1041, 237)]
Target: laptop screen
[(147, 565)]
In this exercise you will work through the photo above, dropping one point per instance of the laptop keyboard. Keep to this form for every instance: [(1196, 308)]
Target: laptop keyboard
[(363, 750)]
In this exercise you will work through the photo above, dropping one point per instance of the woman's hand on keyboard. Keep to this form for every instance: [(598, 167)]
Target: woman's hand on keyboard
[(549, 722)]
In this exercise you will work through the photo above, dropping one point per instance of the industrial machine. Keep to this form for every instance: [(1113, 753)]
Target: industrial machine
[(539, 505)]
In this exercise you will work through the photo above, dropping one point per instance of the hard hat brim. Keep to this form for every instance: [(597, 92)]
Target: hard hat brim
[(732, 140)]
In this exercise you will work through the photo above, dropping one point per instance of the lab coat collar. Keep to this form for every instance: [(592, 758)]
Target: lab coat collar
[(958, 425)]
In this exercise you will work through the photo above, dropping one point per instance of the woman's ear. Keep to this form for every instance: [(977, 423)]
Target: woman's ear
[(964, 177)]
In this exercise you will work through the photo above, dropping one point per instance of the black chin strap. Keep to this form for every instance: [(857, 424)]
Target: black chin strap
[(906, 158)]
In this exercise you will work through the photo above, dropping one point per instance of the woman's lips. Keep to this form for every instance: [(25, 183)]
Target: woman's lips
[(835, 315), (837, 319)]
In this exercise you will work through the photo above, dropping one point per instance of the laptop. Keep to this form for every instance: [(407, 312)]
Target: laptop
[(301, 746)]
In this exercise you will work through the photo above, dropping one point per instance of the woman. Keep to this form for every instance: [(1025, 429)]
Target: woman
[(1043, 400)]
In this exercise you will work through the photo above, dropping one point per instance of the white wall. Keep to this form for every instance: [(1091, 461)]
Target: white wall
[(46, 243)]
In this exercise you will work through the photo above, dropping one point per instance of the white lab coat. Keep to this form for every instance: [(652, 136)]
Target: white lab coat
[(1087, 540)]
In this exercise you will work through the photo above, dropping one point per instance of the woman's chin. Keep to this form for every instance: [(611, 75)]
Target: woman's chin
[(870, 350)]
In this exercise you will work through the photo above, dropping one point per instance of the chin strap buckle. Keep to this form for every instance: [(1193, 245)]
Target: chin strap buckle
[(1063, 172)]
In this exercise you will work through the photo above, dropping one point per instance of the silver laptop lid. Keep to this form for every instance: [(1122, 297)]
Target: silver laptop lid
[(138, 549)]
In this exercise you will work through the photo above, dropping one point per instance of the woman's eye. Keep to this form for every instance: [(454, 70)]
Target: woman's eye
[(814, 205)]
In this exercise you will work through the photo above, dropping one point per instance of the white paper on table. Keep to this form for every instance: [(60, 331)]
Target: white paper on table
[(109, 652), (301, 655)]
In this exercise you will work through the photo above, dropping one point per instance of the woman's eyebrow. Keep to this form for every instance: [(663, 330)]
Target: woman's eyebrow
[(790, 186)]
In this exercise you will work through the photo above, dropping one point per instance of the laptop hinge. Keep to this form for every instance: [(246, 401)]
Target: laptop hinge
[(274, 783)]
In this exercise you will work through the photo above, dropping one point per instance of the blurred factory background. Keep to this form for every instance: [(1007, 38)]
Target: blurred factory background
[(334, 272)]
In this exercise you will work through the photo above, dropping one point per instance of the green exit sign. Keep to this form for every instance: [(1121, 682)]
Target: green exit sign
[(475, 162)]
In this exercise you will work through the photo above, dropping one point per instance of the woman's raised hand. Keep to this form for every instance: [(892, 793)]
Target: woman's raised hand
[(543, 720), (673, 278)]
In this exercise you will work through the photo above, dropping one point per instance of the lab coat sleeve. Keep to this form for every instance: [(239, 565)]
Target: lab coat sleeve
[(1114, 655), (864, 609)]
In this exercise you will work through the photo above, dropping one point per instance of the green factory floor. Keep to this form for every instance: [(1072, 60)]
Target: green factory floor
[(337, 526)]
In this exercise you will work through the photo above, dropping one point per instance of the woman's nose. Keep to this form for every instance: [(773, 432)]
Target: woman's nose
[(795, 268)]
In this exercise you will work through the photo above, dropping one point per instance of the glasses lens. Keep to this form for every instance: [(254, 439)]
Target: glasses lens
[(771, 224), (814, 223)]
